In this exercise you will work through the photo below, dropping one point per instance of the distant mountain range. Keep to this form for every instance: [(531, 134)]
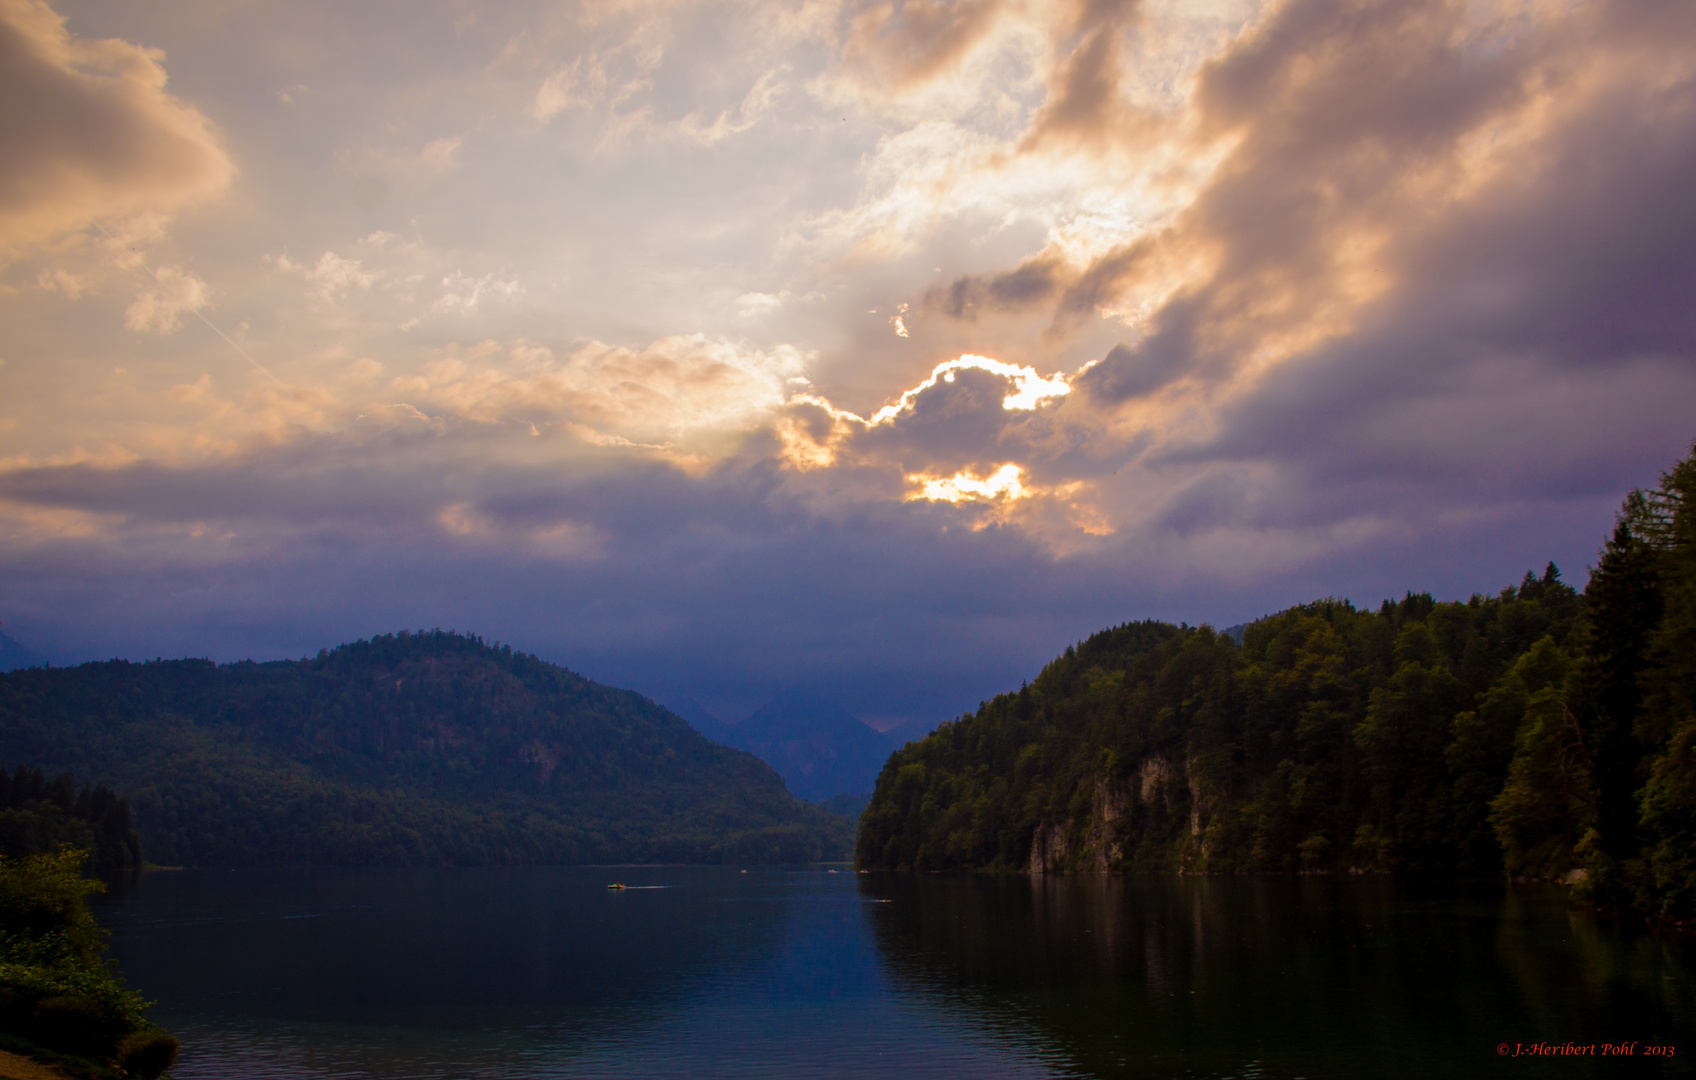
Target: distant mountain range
[(824, 754), (407, 749), (704, 722), (14, 656)]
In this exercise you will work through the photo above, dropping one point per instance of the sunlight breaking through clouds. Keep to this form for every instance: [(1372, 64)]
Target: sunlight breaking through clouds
[(814, 433), (965, 487), (1029, 388), (1160, 291)]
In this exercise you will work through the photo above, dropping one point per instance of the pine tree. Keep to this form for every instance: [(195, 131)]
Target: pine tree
[(1666, 725)]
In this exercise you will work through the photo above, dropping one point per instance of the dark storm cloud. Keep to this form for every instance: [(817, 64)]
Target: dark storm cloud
[(724, 586), (1132, 370), (1017, 289), (1534, 344), (1543, 337), (958, 422), (1524, 347), (1351, 120)]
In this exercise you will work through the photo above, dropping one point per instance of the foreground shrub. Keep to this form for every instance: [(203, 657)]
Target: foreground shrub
[(56, 991), (146, 1054)]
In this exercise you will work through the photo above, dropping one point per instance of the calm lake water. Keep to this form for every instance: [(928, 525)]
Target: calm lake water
[(710, 972)]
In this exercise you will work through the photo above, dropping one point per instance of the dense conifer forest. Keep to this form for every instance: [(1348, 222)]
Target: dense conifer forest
[(1538, 732), (40, 816), (408, 749)]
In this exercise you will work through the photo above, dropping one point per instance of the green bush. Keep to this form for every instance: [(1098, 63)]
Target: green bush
[(56, 992), (146, 1054), (78, 1025)]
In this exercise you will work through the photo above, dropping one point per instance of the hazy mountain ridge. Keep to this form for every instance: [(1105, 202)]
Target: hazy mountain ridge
[(409, 748), (705, 722), (822, 751), (13, 655)]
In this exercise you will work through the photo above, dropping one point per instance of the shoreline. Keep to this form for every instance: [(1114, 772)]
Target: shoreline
[(17, 1067)]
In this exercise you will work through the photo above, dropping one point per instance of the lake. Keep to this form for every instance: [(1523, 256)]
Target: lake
[(799, 972)]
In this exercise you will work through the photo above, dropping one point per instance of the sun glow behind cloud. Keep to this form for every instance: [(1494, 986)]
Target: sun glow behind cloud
[(1029, 388), (814, 434), (1295, 266), (966, 487)]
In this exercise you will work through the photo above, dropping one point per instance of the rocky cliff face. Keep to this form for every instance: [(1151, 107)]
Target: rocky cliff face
[(1120, 818), (1050, 848)]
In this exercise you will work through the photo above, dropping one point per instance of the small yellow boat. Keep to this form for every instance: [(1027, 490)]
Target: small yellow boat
[(617, 885)]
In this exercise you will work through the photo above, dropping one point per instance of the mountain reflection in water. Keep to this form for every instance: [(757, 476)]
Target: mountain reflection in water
[(543, 972), (1284, 976), (530, 972)]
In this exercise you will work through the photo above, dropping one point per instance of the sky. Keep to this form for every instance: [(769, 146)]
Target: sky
[(875, 350)]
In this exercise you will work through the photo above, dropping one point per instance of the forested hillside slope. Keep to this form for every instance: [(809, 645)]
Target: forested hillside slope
[(1537, 732), (428, 748)]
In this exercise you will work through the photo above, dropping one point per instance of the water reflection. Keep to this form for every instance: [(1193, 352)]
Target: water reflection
[(535, 973), (445, 949), (1289, 977), (542, 973), (488, 972)]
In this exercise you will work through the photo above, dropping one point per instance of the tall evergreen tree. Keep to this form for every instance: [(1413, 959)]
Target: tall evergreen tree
[(1623, 605), (1666, 725)]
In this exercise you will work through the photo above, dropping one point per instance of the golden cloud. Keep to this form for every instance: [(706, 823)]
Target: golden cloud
[(90, 132), (678, 390), (964, 486), (161, 308)]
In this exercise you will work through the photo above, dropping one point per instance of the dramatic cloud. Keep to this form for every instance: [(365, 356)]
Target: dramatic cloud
[(668, 395), (89, 133), (878, 348)]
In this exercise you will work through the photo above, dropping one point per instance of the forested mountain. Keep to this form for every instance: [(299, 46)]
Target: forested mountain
[(1537, 732), (428, 748), (821, 750)]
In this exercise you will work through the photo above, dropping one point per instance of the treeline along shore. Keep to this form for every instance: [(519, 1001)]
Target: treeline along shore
[(40, 815), (1540, 732)]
